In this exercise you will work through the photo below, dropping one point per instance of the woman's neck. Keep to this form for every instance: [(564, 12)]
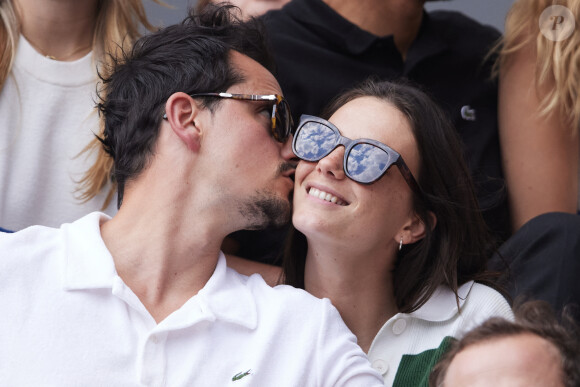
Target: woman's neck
[(60, 30), (360, 287)]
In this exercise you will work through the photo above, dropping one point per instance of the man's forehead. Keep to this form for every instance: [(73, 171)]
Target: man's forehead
[(256, 77)]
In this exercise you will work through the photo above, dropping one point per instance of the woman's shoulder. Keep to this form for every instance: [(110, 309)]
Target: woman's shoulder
[(484, 297), (472, 301), (481, 303)]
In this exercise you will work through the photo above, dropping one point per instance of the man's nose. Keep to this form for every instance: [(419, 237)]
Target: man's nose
[(287, 153)]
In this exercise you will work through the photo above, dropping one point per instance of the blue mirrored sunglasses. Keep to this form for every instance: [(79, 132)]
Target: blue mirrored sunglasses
[(365, 160)]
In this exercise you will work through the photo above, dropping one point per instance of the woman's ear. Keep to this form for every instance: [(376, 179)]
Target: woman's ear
[(181, 111), (414, 230), (433, 218)]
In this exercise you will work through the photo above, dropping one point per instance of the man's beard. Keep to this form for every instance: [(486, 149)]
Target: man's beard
[(265, 210)]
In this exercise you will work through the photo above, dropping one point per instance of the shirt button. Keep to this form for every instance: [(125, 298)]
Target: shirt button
[(399, 326), (380, 366), (154, 339)]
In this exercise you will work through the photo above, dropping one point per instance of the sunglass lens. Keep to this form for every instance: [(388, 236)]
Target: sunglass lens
[(287, 116), (314, 141), (282, 129), (366, 162)]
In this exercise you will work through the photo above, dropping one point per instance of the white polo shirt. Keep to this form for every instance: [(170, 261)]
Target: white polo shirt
[(68, 319), (409, 344)]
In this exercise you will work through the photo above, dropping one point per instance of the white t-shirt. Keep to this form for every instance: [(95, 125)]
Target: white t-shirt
[(47, 117), (68, 319)]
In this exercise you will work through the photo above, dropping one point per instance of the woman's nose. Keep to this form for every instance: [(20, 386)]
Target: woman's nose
[(332, 164)]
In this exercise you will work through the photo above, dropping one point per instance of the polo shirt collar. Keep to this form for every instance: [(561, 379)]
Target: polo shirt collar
[(332, 27), (228, 298), (442, 305), (344, 35), (429, 42), (89, 265)]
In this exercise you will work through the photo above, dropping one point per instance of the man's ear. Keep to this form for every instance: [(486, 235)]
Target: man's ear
[(414, 230), (181, 111)]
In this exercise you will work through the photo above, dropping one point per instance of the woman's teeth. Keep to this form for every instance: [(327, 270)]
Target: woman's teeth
[(325, 196)]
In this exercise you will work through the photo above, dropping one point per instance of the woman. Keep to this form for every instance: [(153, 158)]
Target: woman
[(391, 233), (50, 53), (539, 108)]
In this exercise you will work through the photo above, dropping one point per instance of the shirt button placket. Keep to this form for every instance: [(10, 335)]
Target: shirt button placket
[(380, 366), (154, 358)]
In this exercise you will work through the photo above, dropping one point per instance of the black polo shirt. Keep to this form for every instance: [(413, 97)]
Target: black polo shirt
[(319, 54)]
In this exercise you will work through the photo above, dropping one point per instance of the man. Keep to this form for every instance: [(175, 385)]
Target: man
[(199, 135), (535, 350)]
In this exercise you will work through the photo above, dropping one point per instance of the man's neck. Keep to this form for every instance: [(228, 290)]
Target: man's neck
[(164, 252), (400, 18), (61, 30)]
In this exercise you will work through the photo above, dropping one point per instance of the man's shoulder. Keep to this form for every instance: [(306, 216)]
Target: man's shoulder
[(288, 295), (301, 331), (283, 306), (460, 30), (299, 19), (29, 239), (36, 243), (290, 12), (27, 253), (453, 20)]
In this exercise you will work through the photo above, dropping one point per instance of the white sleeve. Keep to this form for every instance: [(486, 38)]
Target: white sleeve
[(341, 362)]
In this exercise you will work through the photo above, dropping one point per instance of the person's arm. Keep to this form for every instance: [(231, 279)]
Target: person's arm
[(270, 273), (342, 361), (539, 154)]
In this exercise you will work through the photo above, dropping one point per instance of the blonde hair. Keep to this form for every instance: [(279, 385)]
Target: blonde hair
[(557, 62), (116, 29), (9, 31)]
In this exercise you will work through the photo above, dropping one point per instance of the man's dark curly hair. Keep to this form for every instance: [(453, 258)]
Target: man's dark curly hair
[(190, 57)]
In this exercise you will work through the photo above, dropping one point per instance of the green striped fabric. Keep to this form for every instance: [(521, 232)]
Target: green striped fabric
[(414, 370)]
